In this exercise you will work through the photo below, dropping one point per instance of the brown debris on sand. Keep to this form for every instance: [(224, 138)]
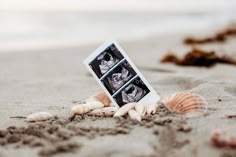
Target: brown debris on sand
[(231, 116), (59, 148), (198, 57), (218, 37)]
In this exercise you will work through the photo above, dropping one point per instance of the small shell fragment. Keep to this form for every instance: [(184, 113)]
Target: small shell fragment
[(152, 109), (39, 116), (124, 109), (221, 138), (80, 109), (85, 108), (134, 115), (106, 112), (187, 103), (100, 96), (140, 108)]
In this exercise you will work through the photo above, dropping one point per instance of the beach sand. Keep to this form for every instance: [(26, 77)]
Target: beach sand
[(54, 80)]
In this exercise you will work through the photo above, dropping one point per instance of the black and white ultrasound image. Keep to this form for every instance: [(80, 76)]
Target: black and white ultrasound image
[(120, 75), (133, 92), (106, 60)]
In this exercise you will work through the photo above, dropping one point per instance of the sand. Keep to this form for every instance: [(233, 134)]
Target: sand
[(54, 80)]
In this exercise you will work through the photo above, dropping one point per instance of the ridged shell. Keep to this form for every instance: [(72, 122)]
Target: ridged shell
[(151, 109), (39, 116), (140, 108), (134, 115), (100, 96), (106, 111), (85, 108), (124, 109), (187, 103)]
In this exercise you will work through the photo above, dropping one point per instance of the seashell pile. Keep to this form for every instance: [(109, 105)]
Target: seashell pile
[(96, 105), (189, 104), (186, 103), (100, 105)]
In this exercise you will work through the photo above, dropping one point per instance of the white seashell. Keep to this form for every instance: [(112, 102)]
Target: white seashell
[(152, 109), (94, 105), (140, 108), (106, 111), (124, 109), (134, 115), (186, 103), (39, 116), (80, 109), (85, 108), (100, 96)]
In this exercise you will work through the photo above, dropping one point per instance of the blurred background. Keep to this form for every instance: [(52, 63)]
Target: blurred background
[(42, 24)]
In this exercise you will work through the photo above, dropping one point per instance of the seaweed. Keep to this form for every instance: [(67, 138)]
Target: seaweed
[(198, 57), (218, 37)]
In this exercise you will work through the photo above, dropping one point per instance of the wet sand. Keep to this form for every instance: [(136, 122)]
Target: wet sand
[(54, 80)]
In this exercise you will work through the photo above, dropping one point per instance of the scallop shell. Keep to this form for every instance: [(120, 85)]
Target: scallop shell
[(100, 96), (187, 103), (134, 115), (152, 109), (85, 108), (124, 109), (106, 112), (140, 108), (39, 116)]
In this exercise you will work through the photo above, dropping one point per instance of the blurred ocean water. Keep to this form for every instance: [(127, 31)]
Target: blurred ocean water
[(31, 25)]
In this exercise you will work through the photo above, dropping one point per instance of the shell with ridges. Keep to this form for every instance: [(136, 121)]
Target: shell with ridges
[(124, 109), (85, 108), (140, 108), (100, 96), (187, 103), (106, 111), (39, 116), (134, 115)]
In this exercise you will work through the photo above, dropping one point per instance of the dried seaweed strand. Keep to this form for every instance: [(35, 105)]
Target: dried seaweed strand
[(218, 37), (198, 57)]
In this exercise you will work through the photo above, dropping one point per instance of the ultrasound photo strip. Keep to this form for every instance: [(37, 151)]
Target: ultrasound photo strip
[(118, 76)]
